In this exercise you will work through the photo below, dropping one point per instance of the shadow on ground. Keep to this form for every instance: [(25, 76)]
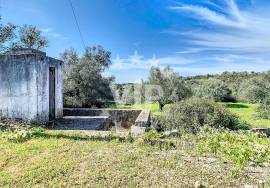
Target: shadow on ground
[(80, 137), (235, 105)]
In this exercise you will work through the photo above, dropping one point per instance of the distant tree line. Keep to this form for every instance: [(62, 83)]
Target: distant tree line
[(248, 87), (233, 86), (163, 86)]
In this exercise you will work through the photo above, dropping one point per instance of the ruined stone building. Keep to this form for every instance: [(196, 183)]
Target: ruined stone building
[(31, 86)]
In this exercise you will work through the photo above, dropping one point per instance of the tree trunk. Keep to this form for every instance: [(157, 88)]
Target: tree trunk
[(161, 106)]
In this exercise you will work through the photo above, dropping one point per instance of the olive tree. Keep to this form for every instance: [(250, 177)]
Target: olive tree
[(7, 34), (172, 87), (85, 85), (256, 90), (213, 89), (30, 37)]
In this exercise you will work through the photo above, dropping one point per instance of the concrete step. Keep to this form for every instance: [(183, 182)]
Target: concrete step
[(82, 123), (85, 112)]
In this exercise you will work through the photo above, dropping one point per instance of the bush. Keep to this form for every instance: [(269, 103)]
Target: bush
[(214, 89), (256, 90), (263, 111), (189, 115)]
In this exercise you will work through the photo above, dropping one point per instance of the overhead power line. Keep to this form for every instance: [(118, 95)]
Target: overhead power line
[(0, 11), (77, 23)]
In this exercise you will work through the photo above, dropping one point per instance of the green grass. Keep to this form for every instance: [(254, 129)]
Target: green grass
[(245, 111), (60, 159), (153, 107), (70, 159)]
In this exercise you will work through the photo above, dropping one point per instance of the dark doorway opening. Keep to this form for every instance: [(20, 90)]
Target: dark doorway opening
[(52, 93)]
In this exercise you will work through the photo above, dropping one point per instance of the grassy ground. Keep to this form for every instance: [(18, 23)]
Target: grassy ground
[(245, 111), (153, 107), (58, 159), (69, 159)]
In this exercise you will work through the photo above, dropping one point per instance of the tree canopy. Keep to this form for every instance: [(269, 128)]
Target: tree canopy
[(7, 33), (171, 86), (85, 84), (27, 36), (213, 89)]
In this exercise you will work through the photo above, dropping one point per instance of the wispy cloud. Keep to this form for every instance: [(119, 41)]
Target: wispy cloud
[(231, 28), (213, 17), (223, 36), (51, 33)]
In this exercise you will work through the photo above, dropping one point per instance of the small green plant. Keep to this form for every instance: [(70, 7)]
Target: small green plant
[(239, 147), (152, 134), (17, 130), (19, 135)]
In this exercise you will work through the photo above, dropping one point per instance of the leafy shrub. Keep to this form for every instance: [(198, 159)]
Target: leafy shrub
[(263, 111), (213, 89), (191, 114), (240, 148), (256, 90)]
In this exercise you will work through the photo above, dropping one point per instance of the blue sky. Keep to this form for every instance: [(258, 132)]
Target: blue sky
[(192, 36)]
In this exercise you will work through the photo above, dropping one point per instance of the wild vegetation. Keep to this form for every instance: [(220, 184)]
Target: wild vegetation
[(218, 158), (211, 148), (189, 115)]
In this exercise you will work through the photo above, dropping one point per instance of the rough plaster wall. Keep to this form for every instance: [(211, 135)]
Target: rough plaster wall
[(43, 88), (59, 90), (43, 91), (24, 86), (18, 93)]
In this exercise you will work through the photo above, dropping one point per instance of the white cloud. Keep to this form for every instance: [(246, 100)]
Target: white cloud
[(227, 38), (232, 29), (213, 17), (51, 33)]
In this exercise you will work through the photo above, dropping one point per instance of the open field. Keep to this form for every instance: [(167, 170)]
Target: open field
[(245, 111), (58, 159)]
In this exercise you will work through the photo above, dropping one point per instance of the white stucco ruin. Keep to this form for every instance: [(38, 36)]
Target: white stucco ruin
[(31, 86)]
